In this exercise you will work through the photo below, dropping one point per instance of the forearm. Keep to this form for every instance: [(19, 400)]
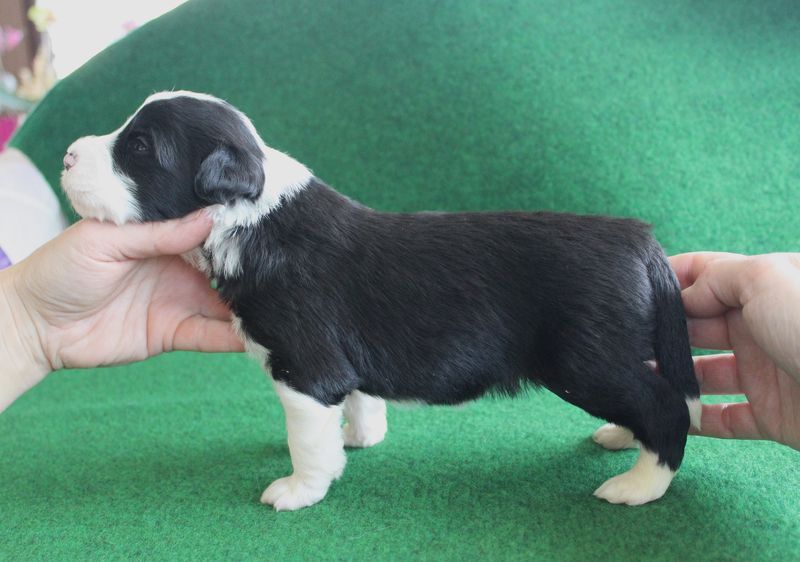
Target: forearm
[(23, 363)]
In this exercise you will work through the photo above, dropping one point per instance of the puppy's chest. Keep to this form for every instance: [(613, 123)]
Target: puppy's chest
[(219, 259), (254, 349), (199, 260), (220, 255)]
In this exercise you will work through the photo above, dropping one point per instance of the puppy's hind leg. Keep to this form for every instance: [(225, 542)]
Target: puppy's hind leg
[(659, 420), (316, 447), (642, 407), (366, 420)]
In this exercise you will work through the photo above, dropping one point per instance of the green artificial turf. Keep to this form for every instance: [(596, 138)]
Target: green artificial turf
[(682, 113)]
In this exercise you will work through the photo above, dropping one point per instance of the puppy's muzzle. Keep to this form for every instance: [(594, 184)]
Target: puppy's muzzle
[(70, 159)]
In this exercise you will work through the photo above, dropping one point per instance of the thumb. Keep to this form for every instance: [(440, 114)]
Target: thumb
[(167, 238)]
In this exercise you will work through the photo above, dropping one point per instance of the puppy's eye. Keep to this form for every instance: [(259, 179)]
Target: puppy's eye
[(138, 144)]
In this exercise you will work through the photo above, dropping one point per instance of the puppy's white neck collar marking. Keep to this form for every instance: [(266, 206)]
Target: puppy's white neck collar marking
[(285, 176)]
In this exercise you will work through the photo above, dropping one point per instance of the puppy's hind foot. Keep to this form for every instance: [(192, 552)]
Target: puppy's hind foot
[(356, 435), (614, 437), (366, 420), (646, 481)]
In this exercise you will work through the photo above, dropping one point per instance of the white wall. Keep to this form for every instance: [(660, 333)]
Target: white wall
[(83, 28)]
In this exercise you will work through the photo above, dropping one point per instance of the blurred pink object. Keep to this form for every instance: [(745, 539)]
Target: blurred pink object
[(4, 260), (8, 124), (10, 37), (129, 26)]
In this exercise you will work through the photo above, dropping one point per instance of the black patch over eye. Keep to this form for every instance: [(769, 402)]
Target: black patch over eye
[(139, 144)]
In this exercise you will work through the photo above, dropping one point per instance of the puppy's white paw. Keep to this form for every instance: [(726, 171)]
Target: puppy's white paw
[(292, 493), (630, 489), (366, 420), (357, 435), (645, 482), (614, 437)]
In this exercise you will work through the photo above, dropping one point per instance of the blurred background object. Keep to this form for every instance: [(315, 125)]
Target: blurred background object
[(74, 42), (18, 45), (41, 42)]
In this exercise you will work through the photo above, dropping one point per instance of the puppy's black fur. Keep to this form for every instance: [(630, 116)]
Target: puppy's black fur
[(184, 154), (436, 307)]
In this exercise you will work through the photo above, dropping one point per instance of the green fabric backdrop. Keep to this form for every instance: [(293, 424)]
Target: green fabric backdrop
[(684, 114)]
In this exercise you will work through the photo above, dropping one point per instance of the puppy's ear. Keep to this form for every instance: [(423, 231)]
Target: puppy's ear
[(228, 174)]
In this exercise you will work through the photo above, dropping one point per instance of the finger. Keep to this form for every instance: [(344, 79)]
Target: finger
[(719, 287), (709, 333), (729, 421), (212, 307), (717, 374), (194, 293), (148, 240), (688, 266), (203, 334)]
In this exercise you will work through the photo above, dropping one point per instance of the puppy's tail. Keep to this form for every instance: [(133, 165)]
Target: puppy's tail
[(671, 341)]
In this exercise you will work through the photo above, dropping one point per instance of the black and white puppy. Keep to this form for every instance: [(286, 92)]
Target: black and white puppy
[(347, 306)]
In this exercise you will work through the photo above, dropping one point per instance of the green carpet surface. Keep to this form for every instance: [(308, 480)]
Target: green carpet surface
[(684, 114)]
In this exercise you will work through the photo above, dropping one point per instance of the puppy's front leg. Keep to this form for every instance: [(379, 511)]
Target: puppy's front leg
[(316, 448)]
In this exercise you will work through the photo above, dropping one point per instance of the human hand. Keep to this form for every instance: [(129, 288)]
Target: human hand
[(749, 305), (101, 294)]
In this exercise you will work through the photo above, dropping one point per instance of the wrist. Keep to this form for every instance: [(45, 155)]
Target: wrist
[(23, 362)]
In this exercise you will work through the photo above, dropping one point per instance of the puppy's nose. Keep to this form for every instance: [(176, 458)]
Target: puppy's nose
[(70, 160)]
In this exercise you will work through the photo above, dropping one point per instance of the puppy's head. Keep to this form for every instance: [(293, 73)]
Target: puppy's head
[(179, 152)]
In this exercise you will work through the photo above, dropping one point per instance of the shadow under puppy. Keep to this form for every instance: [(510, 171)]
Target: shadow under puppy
[(347, 306)]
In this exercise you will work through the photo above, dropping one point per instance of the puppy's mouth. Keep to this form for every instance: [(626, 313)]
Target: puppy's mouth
[(78, 196), (77, 180), (80, 192), (72, 188)]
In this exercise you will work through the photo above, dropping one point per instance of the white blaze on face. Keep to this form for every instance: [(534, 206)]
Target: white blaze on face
[(94, 187)]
